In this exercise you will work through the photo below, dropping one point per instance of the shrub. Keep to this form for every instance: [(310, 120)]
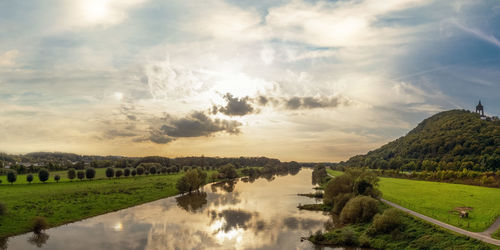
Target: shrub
[(71, 174), (80, 174), (3, 209), (110, 172), (133, 172), (118, 173), (152, 170), (140, 170), (359, 209), (229, 171), (39, 224), (348, 236), (340, 202), (164, 170), (29, 178), (57, 178), (90, 173), (126, 172), (386, 222), (11, 176), (214, 176), (146, 172), (43, 175)]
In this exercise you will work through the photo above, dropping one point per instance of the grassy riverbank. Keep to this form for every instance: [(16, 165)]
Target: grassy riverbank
[(65, 202), (413, 233), (438, 200)]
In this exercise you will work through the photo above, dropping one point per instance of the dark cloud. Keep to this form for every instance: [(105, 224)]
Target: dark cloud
[(235, 106), (196, 124), (295, 102)]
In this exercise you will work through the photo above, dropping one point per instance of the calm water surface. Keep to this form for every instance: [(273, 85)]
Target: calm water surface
[(241, 215)]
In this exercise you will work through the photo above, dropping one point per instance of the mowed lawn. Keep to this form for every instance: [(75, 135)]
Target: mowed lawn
[(437, 200)]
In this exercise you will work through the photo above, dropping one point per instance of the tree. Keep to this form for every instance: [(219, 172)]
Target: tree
[(214, 176), (152, 170), (110, 172), (192, 180), (133, 172), (39, 224), (164, 170), (29, 178), (57, 178), (359, 209), (80, 174), (126, 172), (118, 173), (140, 170), (43, 175), (229, 171), (90, 173), (71, 174)]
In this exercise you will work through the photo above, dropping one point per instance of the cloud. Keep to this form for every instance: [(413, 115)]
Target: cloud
[(8, 59), (196, 124), (235, 106), (478, 33), (306, 102)]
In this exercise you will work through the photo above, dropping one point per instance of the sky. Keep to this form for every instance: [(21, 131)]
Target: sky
[(296, 80)]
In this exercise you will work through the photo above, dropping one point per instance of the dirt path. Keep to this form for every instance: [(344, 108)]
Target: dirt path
[(492, 228), (479, 236)]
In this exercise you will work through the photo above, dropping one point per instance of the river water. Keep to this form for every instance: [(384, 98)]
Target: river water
[(261, 214)]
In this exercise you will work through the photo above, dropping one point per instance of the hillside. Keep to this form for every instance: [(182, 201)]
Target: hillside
[(450, 140)]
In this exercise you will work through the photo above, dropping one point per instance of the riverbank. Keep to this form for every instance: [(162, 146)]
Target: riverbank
[(67, 202)]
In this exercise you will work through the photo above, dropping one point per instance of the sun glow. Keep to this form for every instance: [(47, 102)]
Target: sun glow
[(96, 10)]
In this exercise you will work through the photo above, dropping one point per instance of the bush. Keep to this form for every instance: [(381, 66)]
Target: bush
[(146, 172), (348, 236), (90, 173), (57, 178), (3, 209), (164, 170), (126, 172), (29, 178), (80, 174), (359, 209), (386, 222), (340, 202), (133, 172), (110, 172), (118, 173), (39, 224), (71, 174), (11, 176), (152, 170), (43, 175), (140, 170)]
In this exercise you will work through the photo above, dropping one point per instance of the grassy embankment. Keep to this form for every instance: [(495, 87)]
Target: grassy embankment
[(65, 202), (412, 234), (100, 173), (436, 200)]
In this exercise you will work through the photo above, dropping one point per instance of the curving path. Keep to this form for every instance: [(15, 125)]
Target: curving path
[(483, 236)]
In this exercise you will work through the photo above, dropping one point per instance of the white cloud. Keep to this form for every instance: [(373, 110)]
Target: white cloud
[(8, 59)]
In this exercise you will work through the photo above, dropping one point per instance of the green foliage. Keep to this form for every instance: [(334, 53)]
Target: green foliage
[(228, 171), (192, 180), (43, 175), (118, 173), (90, 173), (386, 222), (319, 175), (353, 182), (133, 172), (126, 172), (140, 170), (152, 170), (57, 178), (39, 224), (11, 176), (450, 140), (110, 172), (359, 209), (71, 173), (29, 178), (80, 175)]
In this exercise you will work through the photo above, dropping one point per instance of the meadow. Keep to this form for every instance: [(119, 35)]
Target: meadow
[(70, 201), (100, 173), (438, 200)]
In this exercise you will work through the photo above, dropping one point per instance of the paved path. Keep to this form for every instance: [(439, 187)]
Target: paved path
[(483, 236)]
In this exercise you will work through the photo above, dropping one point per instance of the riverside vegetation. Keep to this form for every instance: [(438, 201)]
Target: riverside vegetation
[(359, 219)]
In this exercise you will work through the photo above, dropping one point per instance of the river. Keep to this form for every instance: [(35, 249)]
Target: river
[(261, 214)]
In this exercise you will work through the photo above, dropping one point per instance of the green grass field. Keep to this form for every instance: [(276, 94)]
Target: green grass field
[(67, 201), (436, 200)]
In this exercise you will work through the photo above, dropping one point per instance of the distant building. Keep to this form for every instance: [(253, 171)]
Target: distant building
[(480, 109)]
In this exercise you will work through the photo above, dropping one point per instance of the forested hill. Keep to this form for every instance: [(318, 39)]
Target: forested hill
[(450, 140)]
